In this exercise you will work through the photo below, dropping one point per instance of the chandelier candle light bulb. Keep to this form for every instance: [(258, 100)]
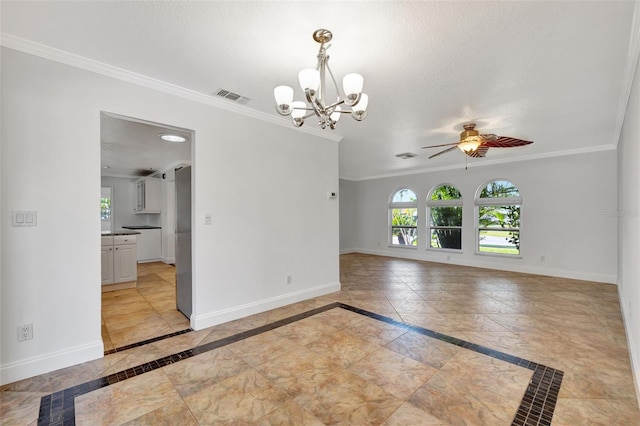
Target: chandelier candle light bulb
[(313, 83)]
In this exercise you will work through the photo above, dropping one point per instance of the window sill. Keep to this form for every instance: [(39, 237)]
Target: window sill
[(403, 247), (503, 256), (444, 250)]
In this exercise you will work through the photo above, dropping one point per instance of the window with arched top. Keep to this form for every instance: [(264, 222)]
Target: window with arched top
[(498, 206), (403, 218), (444, 213)]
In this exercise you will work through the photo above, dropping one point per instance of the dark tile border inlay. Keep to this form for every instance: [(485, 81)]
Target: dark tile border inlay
[(536, 408), (146, 342)]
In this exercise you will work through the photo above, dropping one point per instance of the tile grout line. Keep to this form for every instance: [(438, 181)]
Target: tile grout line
[(58, 408)]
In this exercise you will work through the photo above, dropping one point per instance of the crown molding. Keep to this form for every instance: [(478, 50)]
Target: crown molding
[(485, 162), (61, 56)]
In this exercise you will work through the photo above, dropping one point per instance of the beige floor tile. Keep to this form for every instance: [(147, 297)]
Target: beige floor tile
[(456, 400), (409, 414), (349, 399), (202, 371), (298, 370), (126, 400), (241, 399), (175, 413), (423, 349), (396, 374)]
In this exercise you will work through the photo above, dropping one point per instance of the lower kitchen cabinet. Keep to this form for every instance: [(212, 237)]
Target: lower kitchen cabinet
[(119, 262), (107, 264)]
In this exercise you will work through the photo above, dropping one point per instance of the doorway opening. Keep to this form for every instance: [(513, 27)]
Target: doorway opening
[(138, 164)]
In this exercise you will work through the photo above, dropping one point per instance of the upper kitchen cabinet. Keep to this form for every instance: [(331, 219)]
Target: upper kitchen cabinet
[(148, 198)]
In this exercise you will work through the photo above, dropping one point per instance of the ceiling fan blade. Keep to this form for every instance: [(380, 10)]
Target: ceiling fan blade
[(506, 142), (439, 146), (481, 151), (443, 152)]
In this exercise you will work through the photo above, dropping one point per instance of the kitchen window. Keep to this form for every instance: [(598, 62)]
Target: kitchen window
[(106, 209)]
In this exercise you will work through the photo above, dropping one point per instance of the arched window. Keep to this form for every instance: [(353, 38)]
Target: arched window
[(444, 210), (498, 205), (403, 218)]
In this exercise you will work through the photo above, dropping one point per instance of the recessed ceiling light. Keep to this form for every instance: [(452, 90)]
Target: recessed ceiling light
[(106, 167), (172, 138)]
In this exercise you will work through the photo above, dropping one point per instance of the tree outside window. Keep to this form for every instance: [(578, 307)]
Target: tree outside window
[(499, 205), (404, 218), (445, 218)]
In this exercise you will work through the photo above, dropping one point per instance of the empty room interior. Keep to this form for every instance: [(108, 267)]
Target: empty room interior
[(308, 213)]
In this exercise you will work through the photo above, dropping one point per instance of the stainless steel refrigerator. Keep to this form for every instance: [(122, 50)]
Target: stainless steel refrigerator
[(183, 241)]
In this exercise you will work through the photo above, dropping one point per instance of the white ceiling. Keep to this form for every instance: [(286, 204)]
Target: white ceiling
[(555, 72)]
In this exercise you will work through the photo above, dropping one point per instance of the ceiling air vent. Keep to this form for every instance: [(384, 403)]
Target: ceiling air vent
[(232, 96), (406, 155)]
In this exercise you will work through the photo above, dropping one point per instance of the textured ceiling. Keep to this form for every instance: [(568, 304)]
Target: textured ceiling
[(554, 72)]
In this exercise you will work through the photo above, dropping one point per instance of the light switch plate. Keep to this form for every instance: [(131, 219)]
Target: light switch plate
[(24, 218)]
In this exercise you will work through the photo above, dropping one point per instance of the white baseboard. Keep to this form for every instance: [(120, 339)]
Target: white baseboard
[(505, 264), (634, 350), (169, 260), (42, 364), (198, 322)]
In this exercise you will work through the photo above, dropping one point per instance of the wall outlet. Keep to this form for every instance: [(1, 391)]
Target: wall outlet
[(25, 332), (289, 279)]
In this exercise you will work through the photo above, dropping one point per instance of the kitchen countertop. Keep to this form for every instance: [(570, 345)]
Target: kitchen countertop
[(141, 227), (121, 232)]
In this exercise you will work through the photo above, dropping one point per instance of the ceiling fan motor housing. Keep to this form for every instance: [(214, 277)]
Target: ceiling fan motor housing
[(469, 132)]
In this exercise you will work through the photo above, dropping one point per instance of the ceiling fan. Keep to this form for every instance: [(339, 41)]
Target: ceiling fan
[(476, 145)]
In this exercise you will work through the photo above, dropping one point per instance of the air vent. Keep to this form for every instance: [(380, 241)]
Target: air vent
[(406, 155), (232, 96)]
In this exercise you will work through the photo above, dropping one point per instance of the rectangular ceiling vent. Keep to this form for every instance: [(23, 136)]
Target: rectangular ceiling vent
[(406, 155), (232, 96)]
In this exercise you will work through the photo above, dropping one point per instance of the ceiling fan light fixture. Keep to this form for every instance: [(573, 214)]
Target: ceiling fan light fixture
[(313, 82), (470, 144)]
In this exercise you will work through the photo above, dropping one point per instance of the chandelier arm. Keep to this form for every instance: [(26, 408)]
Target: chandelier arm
[(340, 102), (333, 79)]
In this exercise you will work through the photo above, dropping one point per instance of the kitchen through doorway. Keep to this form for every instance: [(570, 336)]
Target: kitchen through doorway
[(139, 159)]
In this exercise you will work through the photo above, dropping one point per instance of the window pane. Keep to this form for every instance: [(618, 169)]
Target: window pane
[(404, 224), (445, 216), (404, 196), (499, 216), (446, 238), (499, 241), (446, 192), (499, 189)]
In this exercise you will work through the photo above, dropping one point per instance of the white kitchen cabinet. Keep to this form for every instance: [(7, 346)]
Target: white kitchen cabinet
[(119, 262), (124, 263), (148, 199), (149, 245), (107, 264)]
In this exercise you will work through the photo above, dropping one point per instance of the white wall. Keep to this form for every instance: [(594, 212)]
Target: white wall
[(564, 215), (629, 229), (348, 215), (265, 185)]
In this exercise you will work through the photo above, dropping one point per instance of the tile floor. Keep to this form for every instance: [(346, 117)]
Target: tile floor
[(305, 364), (144, 312)]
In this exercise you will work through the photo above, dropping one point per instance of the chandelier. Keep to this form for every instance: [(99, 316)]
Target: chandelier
[(313, 83)]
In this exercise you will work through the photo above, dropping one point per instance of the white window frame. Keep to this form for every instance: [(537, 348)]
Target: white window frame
[(498, 201), (401, 205), (443, 203)]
